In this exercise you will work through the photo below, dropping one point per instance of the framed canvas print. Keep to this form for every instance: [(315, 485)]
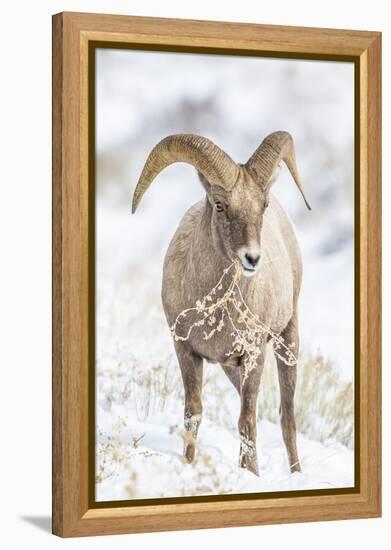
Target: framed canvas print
[(216, 274)]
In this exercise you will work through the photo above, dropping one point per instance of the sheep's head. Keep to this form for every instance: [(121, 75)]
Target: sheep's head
[(237, 194)]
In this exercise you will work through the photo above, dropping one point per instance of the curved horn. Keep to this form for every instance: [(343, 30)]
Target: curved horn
[(215, 165), (275, 147)]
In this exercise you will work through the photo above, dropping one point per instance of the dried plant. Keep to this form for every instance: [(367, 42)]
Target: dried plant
[(324, 402), (225, 304)]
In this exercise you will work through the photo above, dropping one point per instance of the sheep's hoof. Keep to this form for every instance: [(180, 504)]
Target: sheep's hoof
[(250, 464), (189, 453), (248, 455), (295, 467)]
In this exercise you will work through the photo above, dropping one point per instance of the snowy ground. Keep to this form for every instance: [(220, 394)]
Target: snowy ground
[(150, 461), (140, 411), (139, 416)]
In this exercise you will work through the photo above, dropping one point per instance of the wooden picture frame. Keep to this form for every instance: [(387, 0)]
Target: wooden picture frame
[(75, 35)]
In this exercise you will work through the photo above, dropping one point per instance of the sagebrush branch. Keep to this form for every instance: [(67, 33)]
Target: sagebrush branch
[(247, 340)]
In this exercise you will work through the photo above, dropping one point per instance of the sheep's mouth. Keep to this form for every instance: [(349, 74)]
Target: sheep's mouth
[(249, 271)]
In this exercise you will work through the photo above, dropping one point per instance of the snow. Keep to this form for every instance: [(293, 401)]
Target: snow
[(139, 390), (155, 468)]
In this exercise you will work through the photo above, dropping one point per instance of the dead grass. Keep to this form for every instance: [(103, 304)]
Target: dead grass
[(324, 403)]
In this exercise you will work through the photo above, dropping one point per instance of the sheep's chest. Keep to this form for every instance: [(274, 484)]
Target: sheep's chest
[(221, 326)]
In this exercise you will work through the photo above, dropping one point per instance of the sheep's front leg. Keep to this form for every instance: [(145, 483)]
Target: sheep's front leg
[(250, 382), (191, 366)]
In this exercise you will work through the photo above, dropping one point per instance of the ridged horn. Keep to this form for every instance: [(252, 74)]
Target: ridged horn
[(215, 165), (275, 147)]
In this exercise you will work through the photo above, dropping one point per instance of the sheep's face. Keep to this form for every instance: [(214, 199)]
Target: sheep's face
[(237, 217)]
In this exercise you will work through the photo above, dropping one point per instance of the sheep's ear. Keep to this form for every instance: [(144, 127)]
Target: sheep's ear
[(274, 176), (205, 184)]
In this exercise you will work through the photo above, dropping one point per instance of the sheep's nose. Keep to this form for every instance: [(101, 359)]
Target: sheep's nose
[(252, 259)]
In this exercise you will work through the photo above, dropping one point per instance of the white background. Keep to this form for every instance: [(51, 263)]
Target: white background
[(25, 286)]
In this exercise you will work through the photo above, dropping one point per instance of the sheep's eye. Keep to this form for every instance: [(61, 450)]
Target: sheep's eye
[(219, 206), (266, 204)]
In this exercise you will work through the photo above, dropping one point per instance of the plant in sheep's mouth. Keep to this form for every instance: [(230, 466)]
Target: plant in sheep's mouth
[(225, 304)]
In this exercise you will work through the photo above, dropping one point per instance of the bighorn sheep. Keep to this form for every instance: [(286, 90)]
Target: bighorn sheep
[(238, 221)]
